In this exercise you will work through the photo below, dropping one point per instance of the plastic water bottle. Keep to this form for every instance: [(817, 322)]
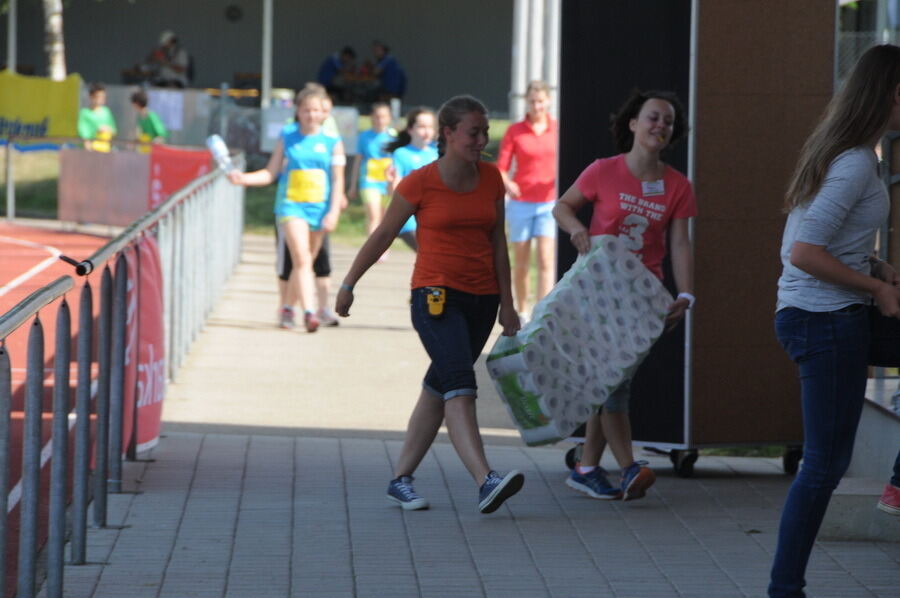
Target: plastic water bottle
[(219, 151)]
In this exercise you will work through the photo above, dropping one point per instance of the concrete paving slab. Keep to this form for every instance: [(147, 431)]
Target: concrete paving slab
[(278, 448)]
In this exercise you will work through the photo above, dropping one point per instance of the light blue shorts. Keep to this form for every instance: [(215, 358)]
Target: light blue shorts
[(529, 219)]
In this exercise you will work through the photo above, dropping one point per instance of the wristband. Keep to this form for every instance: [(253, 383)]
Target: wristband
[(687, 296), (346, 287)]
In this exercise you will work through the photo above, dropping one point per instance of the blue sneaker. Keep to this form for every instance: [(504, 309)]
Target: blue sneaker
[(594, 483), (636, 479), (495, 489), (401, 491)]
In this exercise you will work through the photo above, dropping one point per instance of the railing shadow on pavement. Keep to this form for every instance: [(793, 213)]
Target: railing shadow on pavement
[(192, 244)]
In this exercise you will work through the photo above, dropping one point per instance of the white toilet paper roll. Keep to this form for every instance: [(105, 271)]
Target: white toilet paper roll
[(578, 412), (609, 244), (526, 383), (645, 284), (650, 326), (509, 364), (628, 266), (639, 343), (610, 377), (570, 349), (622, 358), (579, 372), (544, 381), (550, 404), (635, 306), (594, 354), (596, 393)]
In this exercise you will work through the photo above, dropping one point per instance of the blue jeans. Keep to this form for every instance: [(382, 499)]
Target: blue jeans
[(454, 341), (831, 350)]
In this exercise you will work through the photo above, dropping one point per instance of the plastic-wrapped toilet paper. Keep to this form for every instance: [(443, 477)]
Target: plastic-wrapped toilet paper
[(586, 337)]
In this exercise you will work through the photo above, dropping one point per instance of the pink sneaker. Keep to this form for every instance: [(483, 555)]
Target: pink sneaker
[(310, 321), (890, 500)]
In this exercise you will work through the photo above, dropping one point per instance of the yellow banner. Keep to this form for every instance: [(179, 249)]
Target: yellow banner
[(37, 106)]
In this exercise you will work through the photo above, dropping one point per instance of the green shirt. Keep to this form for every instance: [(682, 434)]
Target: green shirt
[(152, 126), (90, 121)]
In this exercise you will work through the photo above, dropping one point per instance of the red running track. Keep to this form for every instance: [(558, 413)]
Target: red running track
[(29, 259)]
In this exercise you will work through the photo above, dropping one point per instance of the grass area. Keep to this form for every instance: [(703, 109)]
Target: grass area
[(37, 174), (36, 179)]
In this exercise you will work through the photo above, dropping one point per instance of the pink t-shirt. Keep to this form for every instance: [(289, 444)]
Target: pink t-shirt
[(638, 212)]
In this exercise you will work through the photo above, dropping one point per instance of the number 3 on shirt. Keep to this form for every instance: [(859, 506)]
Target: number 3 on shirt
[(306, 186)]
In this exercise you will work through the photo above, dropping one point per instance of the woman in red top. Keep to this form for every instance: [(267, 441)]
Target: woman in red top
[(460, 279), (532, 189), (642, 200)]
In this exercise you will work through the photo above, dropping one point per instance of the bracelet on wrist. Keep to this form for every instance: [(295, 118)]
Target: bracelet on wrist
[(689, 297), (346, 287)]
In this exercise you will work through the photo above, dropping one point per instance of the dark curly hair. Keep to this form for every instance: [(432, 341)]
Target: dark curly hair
[(622, 135)]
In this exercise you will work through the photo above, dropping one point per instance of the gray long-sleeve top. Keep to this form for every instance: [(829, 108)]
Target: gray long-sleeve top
[(843, 217)]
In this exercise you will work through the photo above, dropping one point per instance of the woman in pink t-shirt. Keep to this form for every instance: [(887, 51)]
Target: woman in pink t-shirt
[(642, 200)]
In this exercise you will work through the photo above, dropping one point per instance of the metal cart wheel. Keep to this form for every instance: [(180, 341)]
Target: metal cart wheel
[(683, 461), (573, 456), (791, 459)]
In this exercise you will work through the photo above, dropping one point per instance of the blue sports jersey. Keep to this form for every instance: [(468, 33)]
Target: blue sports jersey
[(375, 161), (304, 186), (407, 159)]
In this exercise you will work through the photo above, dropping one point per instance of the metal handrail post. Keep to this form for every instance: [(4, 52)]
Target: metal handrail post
[(60, 461), (81, 472), (101, 445), (117, 375), (5, 415), (31, 462)]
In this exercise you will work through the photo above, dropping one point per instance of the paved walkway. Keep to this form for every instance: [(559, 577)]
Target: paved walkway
[(278, 446)]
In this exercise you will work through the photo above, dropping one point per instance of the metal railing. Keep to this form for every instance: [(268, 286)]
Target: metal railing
[(198, 231)]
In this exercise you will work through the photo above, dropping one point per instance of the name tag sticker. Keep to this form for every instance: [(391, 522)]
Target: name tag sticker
[(651, 188)]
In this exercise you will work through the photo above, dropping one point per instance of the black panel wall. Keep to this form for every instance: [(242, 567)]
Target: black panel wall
[(608, 49)]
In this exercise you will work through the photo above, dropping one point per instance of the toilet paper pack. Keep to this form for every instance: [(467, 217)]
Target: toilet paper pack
[(585, 338)]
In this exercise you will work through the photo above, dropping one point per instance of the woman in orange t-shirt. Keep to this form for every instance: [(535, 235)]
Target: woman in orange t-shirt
[(460, 279)]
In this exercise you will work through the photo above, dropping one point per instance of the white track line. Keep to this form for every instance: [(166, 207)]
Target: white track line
[(15, 494), (34, 271)]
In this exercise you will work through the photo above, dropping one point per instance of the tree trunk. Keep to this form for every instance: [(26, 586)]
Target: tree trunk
[(53, 39)]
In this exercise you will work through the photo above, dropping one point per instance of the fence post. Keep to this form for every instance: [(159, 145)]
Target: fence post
[(60, 460), (117, 374), (31, 462), (101, 445), (5, 413), (81, 471)]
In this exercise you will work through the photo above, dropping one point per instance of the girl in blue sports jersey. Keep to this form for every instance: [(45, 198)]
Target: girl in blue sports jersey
[(309, 166), (411, 150), (374, 164)]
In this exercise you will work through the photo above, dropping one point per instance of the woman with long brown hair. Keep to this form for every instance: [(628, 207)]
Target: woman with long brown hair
[(836, 202)]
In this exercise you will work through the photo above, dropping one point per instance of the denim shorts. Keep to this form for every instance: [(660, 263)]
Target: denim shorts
[(454, 340), (529, 219), (619, 399)]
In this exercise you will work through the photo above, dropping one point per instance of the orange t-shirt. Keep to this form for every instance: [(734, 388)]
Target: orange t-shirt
[(454, 230)]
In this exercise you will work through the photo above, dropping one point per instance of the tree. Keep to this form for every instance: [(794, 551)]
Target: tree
[(53, 39)]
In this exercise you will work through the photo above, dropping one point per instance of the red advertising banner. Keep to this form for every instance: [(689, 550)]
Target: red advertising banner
[(145, 359), (172, 168)]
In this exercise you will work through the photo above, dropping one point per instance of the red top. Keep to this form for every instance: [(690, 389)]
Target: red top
[(455, 230), (535, 159), (638, 212)]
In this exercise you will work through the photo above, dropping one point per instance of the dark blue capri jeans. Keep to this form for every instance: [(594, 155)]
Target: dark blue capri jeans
[(455, 340), (831, 351)]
